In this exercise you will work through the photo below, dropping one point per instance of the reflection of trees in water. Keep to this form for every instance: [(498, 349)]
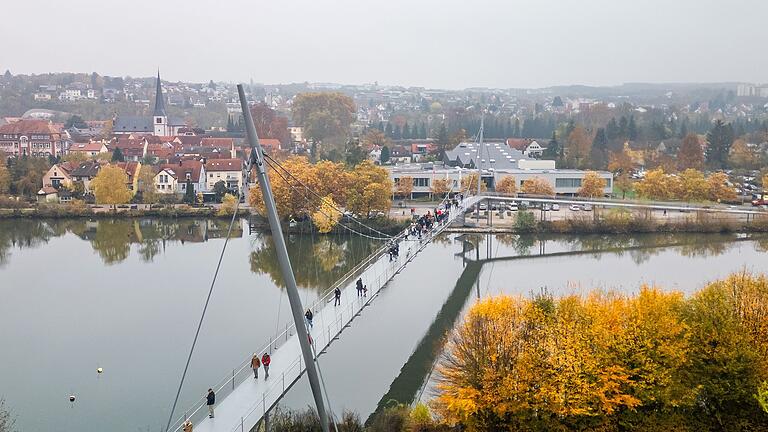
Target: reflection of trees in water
[(111, 238), (522, 244), (23, 234), (318, 261)]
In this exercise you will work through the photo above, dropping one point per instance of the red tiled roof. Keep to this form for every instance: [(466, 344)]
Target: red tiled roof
[(42, 127), (130, 168), (224, 165), (181, 169), (217, 142), (93, 146)]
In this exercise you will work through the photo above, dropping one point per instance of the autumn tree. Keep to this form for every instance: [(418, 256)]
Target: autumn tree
[(228, 205), (693, 186), (146, 185), (507, 185), (404, 187), (325, 117), (371, 190), (742, 156), (291, 198), (5, 177), (110, 186), (717, 188), (579, 145), (622, 164), (375, 139), (440, 187), (326, 217), (269, 124), (458, 137), (592, 185), (655, 185), (469, 184), (691, 153), (332, 178), (537, 186)]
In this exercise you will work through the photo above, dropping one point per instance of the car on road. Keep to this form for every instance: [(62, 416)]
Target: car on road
[(574, 207), (555, 207)]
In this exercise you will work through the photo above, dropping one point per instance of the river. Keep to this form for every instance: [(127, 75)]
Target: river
[(125, 296)]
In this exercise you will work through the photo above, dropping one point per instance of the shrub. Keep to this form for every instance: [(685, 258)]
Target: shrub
[(525, 221)]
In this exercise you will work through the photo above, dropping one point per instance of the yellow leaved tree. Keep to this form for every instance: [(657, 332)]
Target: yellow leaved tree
[(440, 187), (592, 185), (507, 185), (326, 217), (469, 183), (228, 205), (110, 186), (537, 186), (717, 188)]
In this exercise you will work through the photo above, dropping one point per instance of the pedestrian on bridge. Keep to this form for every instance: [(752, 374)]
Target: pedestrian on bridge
[(336, 296), (255, 365), (359, 287), (210, 400), (186, 426), (308, 316), (266, 360)]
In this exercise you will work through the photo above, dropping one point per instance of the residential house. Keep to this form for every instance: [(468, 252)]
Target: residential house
[(230, 171), (85, 172), (172, 178), (58, 175), (270, 145)]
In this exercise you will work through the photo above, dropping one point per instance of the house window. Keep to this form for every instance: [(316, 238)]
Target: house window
[(421, 182), (183, 186), (158, 120)]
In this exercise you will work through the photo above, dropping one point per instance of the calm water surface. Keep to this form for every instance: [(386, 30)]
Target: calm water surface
[(76, 295)]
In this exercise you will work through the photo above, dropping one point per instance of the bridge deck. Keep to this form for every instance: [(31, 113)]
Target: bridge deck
[(244, 404)]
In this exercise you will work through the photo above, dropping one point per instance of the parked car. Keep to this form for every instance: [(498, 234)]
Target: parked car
[(546, 207), (555, 207), (574, 207), (586, 207), (512, 207)]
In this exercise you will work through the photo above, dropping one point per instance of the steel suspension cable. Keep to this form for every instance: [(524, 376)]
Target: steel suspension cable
[(202, 315)]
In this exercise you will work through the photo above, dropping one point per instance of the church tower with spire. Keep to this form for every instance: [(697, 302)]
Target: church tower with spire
[(160, 118)]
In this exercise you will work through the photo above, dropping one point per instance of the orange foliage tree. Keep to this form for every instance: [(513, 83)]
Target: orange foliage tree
[(537, 186)]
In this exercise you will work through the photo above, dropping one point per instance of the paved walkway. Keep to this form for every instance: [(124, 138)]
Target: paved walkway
[(243, 400)]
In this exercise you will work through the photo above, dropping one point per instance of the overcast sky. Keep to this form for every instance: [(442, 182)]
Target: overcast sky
[(431, 43)]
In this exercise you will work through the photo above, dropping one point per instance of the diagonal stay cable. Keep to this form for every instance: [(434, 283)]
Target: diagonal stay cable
[(277, 164), (202, 316)]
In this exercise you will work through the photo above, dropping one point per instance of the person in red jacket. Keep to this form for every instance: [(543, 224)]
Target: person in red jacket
[(265, 361)]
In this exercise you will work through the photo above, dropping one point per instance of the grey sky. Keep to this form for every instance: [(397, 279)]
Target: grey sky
[(432, 43)]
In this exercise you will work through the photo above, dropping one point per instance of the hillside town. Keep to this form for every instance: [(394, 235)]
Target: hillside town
[(170, 137)]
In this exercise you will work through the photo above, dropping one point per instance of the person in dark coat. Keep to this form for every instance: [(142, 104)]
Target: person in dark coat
[(210, 400), (308, 316), (266, 360), (336, 297)]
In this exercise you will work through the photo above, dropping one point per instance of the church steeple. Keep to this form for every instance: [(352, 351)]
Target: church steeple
[(159, 100)]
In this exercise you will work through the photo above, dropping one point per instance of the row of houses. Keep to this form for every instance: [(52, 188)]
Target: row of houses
[(201, 175)]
